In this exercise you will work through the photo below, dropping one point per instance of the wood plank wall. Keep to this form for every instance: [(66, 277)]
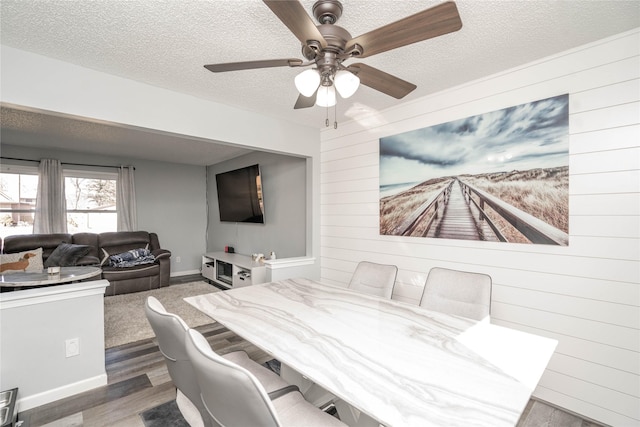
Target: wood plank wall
[(586, 295)]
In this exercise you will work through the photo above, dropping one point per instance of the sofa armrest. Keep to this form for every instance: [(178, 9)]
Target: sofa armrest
[(163, 258), (154, 242), (161, 253)]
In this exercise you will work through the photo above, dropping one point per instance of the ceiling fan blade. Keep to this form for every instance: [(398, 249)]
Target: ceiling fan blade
[(293, 15), (249, 65), (429, 23), (381, 81), (305, 101)]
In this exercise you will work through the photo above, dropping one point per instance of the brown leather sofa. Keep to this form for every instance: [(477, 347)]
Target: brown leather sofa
[(122, 280)]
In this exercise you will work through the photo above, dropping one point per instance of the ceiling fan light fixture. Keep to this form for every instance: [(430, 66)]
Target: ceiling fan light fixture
[(326, 96), (307, 82), (346, 83)]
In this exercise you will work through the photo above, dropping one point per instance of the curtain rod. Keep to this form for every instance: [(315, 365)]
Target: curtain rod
[(64, 163)]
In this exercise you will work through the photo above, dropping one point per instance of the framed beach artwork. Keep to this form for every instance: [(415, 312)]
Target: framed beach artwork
[(501, 176)]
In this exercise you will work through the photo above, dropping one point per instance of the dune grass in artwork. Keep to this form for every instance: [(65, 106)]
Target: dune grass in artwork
[(541, 192)]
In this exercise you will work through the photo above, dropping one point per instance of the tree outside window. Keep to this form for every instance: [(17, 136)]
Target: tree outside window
[(91, 204), (90, 198), (17, 203)]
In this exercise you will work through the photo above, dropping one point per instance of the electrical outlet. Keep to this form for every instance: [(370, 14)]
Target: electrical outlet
[(178, 259), (72, 347)]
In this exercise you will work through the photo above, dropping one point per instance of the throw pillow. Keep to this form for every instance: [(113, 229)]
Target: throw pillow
[(29, 261), (66, 255), (105, 257)]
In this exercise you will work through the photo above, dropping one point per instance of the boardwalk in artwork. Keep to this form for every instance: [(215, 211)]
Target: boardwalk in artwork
[(459, 220)]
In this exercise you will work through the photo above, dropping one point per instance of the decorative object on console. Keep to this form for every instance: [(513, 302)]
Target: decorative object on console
[(26, 261)]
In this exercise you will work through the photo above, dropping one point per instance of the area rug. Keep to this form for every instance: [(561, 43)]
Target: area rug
[(165, 415), (125, 321)]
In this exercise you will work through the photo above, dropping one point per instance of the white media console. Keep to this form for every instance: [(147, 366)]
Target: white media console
[(232, 270)]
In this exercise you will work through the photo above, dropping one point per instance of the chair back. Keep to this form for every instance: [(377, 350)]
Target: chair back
[(171, 333), (460, 293), (231, 395), (374, 279)]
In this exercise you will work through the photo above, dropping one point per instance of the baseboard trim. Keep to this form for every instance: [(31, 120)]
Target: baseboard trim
[(39, 399), (184, 273)]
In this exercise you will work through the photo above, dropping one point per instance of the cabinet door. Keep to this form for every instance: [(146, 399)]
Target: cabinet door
[(242, 278), (208, 268)]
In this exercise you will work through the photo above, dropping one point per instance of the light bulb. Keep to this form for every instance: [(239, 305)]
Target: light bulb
[(326, 96), (307, 82), (346, 83)]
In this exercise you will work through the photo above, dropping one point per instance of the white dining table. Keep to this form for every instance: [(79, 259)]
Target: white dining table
[(400, 364)]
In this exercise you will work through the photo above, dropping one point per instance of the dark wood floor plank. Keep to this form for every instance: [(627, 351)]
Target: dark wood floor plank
[(116, 410), (89, 399)]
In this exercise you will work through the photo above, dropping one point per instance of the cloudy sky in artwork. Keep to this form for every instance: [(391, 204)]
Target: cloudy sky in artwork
[(527, 136)]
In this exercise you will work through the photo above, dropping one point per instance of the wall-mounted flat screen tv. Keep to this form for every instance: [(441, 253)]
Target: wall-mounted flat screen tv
[(240, 195)]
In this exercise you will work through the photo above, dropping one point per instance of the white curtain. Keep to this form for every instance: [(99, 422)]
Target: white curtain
[(51, 211), (126, 200)]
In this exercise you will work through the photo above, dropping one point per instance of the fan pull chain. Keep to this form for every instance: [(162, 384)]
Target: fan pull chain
[(335, 119), (326, 121)]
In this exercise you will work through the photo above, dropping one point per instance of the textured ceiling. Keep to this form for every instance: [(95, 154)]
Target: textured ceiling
[(166, 43)]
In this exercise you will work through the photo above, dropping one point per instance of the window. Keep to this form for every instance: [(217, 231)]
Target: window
[(90, 199), (18, 188)]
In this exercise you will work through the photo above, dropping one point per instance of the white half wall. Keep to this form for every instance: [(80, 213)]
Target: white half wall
[(586, 295), (34, 327)]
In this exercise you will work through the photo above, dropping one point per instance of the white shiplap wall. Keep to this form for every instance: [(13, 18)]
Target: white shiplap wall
[(586, 295)]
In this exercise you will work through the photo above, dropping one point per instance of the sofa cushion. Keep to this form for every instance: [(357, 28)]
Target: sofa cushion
[(66, 254), (113, 243), (88, 239), (27, 261), (122, 241), (117, 273), (26, 242)]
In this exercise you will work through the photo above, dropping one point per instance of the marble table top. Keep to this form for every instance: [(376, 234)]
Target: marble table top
[(42, 278), (401, 364)]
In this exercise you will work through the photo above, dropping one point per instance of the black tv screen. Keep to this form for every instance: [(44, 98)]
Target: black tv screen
[(240, 195)]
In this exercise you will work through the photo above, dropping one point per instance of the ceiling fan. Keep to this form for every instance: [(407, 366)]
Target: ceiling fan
[(327, 46)]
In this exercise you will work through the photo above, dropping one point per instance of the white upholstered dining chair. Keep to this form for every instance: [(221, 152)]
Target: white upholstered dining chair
[(232, 396), (456, 292), (171, 333), (374, 279)]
